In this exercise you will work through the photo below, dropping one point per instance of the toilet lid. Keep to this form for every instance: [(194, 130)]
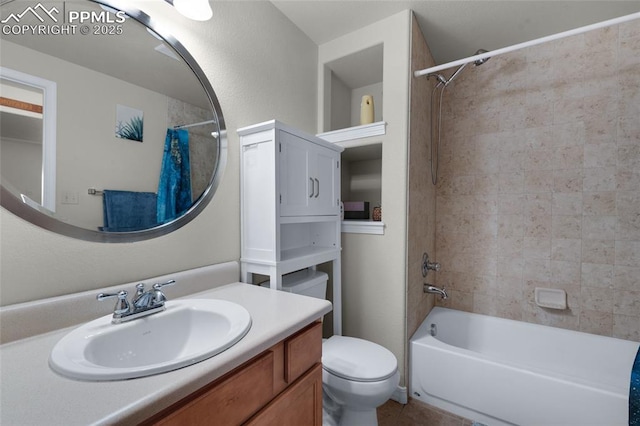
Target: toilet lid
[(357, 359)]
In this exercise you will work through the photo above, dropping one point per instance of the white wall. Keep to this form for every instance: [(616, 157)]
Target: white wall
[(14, 154), (261, 67), (374, 266)]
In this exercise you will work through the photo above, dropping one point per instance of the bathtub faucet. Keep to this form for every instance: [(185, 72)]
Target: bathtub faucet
[(428, 288)]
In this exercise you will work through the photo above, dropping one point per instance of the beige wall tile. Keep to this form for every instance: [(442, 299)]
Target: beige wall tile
[(597, 275), (596, 299), (629, 52), (538, 270), (599, 179), (626, 303), (626, 327), (627, 253), (598, 251), (596, 322), (626, 278), (628, 227), (599, 203), (570, 180), (538, 226), (566, 249), (567, 204), (537, 248), (567, 226), (628, 156), (601, 129), (627, 180), (422, 194), (538, 181), (565, 273), (560, 159), (600, 155), (599, 227)]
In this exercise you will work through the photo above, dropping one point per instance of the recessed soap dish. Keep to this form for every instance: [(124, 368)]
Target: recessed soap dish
[(551, 298)]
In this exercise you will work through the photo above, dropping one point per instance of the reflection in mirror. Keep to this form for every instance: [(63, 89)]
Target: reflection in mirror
[(21, 136), (27, 139), (139, 149)]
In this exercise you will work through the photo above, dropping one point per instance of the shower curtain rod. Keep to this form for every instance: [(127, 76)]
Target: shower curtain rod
[(530, 43), (184, 126)]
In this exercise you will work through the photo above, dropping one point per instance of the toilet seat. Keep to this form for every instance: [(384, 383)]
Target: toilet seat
[(358, 360)]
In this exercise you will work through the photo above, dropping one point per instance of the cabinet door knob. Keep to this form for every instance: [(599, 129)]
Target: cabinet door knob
[(312, 188), (317, 186)]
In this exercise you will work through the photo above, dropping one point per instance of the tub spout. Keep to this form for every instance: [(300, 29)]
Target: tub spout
[(428, 288)]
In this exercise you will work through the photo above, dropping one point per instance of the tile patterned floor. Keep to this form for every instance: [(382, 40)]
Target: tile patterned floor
[(416, 413)]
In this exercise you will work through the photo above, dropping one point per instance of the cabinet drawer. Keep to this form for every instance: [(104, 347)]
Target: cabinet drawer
[(302, 351), (230, 401), (299, 405)]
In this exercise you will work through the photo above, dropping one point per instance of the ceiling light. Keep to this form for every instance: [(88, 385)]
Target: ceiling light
[(198, 10)]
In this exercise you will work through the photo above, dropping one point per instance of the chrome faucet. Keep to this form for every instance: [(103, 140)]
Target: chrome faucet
[(145, 302), (428, 288)]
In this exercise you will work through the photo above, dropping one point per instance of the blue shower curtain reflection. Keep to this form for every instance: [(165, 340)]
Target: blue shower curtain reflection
[(174, 189)]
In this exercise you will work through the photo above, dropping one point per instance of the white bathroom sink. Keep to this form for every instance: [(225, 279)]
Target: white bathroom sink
[(187, 332)]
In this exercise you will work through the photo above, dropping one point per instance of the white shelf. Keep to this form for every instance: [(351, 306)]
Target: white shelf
[(307, 219), (311, 255), (357, 132), (363, 227)]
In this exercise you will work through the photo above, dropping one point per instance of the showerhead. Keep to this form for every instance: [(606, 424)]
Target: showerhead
[(442, 80), (480, 61)]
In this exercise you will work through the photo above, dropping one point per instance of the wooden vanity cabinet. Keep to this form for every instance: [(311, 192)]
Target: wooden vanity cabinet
[(281, 386)]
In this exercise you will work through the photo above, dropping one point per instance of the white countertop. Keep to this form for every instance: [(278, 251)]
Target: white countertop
[(32, 394)]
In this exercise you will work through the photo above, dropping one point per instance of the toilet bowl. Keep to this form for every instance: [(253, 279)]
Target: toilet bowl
[(357, 375)]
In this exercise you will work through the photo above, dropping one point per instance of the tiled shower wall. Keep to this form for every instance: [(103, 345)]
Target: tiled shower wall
[(539, 183), (421, 206)]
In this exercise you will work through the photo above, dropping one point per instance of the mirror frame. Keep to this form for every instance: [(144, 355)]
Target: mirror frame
[(12, 203)]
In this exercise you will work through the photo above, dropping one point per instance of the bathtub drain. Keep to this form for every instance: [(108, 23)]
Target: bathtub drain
[(434, 330)]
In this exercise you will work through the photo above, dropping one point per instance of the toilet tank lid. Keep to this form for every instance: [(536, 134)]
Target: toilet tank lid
[(357, 359)]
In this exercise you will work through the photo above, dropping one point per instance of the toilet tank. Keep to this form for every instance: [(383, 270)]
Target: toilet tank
[(306, 282)]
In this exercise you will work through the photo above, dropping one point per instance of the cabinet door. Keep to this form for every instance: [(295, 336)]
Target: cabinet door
[(309, 178), (326, 177), (229, 402), (296, 184), (299, 405)]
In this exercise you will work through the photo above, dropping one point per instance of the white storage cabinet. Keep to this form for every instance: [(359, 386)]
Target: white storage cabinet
[(290, 205)]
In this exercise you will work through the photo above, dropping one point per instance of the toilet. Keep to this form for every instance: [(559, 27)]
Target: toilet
[(357, 375)]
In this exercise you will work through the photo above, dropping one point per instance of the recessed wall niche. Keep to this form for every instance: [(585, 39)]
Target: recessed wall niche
[(349, 78)]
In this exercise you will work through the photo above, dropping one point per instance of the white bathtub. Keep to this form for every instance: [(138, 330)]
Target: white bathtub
[(504, 372)]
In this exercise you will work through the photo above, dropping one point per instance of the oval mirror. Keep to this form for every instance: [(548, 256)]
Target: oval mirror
[(109, 129)]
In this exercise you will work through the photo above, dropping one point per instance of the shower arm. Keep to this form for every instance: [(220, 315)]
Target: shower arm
[(455, 74)]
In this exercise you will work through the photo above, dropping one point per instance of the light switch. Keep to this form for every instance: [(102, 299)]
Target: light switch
[(70, 197)]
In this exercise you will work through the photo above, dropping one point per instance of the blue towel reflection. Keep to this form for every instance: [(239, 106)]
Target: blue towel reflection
[(174, 188), (634, 393), (126, 211)]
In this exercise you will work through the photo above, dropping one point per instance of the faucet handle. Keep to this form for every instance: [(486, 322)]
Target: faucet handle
[(158, 295), (122, 305), (158, 286), (434, 266), (427, 266), (139, 289)]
